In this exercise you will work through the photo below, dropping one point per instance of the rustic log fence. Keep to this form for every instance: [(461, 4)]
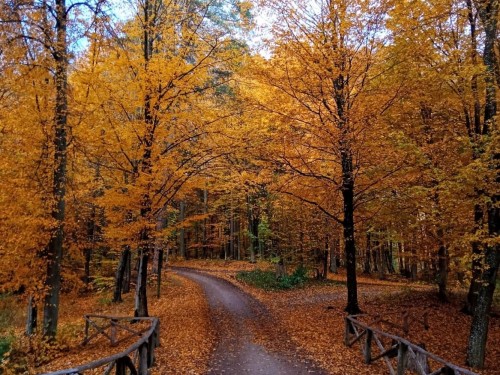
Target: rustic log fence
[(408, 356), (135, 360)]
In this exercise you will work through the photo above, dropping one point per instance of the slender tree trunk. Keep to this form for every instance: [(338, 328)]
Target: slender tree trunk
[(128, 272), (31, 316), (251, 246), (120, 273), (367, 266), (205, 224), (443, 261), (182, 232), (160, 266), (55, 246)]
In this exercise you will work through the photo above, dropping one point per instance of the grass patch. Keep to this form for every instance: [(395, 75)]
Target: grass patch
[(267, 279)]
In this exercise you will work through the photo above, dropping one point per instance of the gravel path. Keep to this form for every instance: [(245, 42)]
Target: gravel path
[(234, 313)]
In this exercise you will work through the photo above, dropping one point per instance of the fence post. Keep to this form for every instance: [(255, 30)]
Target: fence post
[(347, 331), (113, 332), (402, 358), (143, 359), (86, 328), (368, 346)]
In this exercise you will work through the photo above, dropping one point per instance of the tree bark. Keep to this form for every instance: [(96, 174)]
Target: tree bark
[(367, 266), (31, 316), (488, 12), (55, 246), (348, 223), (443, 261), (120, 273), (182, 232)]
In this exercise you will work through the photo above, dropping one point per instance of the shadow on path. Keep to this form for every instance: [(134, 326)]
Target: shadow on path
[(234, 314)]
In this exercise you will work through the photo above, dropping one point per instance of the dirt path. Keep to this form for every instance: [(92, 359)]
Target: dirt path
[(238, 318)]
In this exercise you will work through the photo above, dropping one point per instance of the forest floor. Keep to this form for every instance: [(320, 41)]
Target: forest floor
[(309, 319)]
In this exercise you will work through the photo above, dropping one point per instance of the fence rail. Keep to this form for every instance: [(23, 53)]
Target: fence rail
[(124, 362), (408, 356)]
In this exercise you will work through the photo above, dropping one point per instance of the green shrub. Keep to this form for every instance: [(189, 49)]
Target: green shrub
[(267, 279), (5, 343)]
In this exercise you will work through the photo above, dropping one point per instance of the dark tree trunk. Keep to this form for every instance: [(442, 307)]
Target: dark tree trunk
[(55, 246), (127, 273), (348, 223), (160, 266), (325, 264), (252, 240), (389, 258), (120, 273), (443, 261), (141, 299), (182, 232), (477, 263), (488, 13), (476, 348), (31, 316), (205, 224), (367, 266)]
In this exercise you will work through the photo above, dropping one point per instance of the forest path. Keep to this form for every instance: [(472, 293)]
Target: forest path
[(240, 322)]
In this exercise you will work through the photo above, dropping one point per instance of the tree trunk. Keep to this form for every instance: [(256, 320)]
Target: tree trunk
[(205, 224), (120, 273), (141, 300), (31, 317), (55, 246), (443, 261), (488, 12), (158, 278), (127, 273), (251, 246), (182, 232), (476, 348), (367, 265), (348, 223)]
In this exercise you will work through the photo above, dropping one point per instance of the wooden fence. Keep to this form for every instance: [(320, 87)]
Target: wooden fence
[(407, 356), (135, 360)]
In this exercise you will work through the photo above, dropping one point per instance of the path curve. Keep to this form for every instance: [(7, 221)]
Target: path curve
[(233, 313)]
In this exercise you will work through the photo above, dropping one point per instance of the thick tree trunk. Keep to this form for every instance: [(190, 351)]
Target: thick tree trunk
[(141, 299), (488, 12), (55, 246), (476, 348), (348, 223)]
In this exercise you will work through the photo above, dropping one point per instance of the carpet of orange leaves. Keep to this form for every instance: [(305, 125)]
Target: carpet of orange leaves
[(310, 318), (186, 339), (313, 318)]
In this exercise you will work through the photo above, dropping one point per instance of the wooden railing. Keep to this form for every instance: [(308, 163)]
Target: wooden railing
[(135, 360), (399, 355)]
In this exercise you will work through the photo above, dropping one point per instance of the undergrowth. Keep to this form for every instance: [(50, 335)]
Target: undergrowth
[(267, 279)]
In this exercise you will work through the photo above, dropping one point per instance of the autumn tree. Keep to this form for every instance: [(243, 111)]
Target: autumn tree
[(43, 28), (325, 73)]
